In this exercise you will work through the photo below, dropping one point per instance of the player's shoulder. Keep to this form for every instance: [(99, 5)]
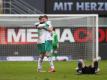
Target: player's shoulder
[(48, 22)]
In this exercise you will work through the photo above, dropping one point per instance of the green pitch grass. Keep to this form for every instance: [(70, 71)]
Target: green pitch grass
[(64, 71)]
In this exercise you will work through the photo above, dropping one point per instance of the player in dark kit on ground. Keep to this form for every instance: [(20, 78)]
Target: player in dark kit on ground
[(91, 69)]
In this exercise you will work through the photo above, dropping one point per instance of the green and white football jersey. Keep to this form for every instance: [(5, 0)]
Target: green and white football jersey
[(42, 33), (48, 34)]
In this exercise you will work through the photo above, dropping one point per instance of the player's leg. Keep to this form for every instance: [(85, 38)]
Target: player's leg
[(95, 65), (55, 52), (48, 47), (41, 48), (40, 60), (80, 65)]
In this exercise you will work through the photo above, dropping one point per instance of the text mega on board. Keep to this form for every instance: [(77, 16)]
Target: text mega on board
[(30, 35)]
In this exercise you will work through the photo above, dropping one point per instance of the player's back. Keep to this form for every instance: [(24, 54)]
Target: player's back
[(48, 33), (41, 33)]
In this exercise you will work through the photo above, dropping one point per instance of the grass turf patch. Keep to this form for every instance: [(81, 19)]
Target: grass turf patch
[(64, 71)]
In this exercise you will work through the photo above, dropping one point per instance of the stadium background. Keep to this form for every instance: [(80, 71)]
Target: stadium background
[(39, 7)]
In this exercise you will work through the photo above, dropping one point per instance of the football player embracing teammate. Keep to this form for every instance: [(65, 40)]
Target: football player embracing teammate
[(45, 42)]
